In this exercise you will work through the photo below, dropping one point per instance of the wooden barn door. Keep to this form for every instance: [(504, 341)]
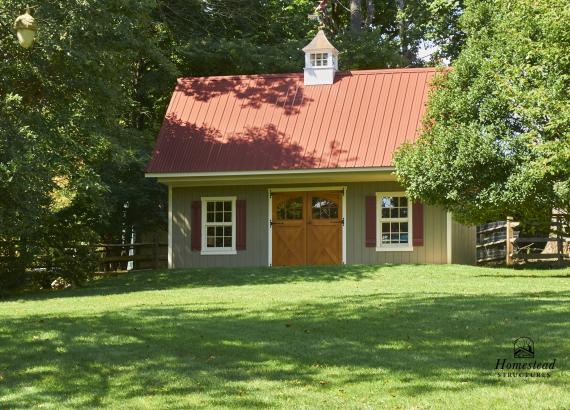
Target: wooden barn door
[(306, 228), (324, 228), (289, 229)]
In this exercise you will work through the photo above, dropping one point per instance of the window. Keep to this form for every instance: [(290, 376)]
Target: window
[(218, 225), (319, 59), (323, 208), (290, 209), (394, 213)]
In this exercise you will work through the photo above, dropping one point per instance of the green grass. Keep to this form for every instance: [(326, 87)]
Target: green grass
[(409, 337)]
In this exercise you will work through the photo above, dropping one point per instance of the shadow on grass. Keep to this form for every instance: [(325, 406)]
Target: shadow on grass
[(222, 354), (518, 275), (208, 277)]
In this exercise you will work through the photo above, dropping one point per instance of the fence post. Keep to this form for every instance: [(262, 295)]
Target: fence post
[(509, 243), (155, 249), (559, 243)]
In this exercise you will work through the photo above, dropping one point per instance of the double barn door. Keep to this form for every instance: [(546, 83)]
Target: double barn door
[(306, 228)]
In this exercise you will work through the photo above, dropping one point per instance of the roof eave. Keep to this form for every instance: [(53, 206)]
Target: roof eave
[(313, 176)]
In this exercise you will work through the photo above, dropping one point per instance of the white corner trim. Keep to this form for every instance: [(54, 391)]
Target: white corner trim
[(449, 238), (344, 226), (269, 233), (170, 227)]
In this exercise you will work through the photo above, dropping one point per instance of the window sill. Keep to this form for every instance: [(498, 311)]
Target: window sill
[(219, 252), (394, 249)]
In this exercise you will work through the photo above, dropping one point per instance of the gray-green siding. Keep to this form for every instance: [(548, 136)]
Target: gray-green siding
[(464, 244), (256, 254)]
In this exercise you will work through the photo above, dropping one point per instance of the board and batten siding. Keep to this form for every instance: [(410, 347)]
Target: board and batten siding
[(464, 244), (434, 249), (256, 253)]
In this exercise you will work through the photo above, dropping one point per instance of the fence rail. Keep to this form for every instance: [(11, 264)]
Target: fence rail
[(502, 241), (113, 256), (117, 253)]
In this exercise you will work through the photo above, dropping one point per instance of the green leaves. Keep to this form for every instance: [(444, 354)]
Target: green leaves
[(497, 134)]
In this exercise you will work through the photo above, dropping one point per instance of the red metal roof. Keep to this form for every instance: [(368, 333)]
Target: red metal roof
[(273, 122)]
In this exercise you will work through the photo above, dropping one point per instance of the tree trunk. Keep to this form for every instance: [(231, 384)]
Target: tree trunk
[(405, 52), (370, 11), (355, 16)]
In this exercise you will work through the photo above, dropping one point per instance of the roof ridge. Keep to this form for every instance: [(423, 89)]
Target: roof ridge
[(295, 75)]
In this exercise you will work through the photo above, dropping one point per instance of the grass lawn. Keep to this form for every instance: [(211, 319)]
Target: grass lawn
[(409, 337)]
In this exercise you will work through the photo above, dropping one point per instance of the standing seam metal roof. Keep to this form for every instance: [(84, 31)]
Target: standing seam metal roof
[(274, 122)]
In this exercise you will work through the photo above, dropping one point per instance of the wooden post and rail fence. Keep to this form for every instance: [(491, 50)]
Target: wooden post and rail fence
[(501, 242), (115, 255), (112, 256)]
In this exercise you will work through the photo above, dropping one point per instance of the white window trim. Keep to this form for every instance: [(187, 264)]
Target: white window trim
[(324, 59), (218, 251), (380, 247)]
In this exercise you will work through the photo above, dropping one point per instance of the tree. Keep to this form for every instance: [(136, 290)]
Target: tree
[(496, 137), (394, 31), (80, 110), (66, 114), (355, 16)]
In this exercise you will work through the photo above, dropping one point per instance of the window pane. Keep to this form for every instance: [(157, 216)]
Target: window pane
[(404, 238), (210, 217), (395, 237), (228, 242), (324, 209), (228, 231), (385, 238), (404, 201), (228, 206), (404, 227), (219, 230), (385, 227), (385, 213), (219, 206), (227, 216), (210, 231), (387, 202), (210, 206), (211, 242), (219, 242), (395, 227), (393, 212), (291, 209), (403, 212), (219, 217)]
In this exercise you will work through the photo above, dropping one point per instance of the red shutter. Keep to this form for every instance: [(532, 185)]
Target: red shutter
[(240, 224), (418, 224), (196, 226), (371, 221)]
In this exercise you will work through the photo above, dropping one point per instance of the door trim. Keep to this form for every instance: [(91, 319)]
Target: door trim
[(304, 189)]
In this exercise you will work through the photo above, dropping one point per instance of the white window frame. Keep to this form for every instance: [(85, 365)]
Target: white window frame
[(218, 251), (401, 247), (322, 56)]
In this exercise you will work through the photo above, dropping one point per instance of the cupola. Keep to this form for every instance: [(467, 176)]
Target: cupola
[(321, 61)]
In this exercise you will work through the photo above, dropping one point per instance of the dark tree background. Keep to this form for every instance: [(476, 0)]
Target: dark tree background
[(80, 109)]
